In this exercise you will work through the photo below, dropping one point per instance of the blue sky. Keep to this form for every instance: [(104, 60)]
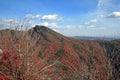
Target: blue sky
[(69, 17)]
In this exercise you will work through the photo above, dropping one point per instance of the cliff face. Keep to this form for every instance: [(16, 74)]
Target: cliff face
[(57, 57)]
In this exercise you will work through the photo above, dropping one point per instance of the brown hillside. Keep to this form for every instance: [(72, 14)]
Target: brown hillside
[(43, 54)]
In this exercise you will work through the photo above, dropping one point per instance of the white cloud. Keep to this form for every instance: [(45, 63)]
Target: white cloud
[(13, 23), (54, 24), (50, 17), (95, 27), (57, 27), (37, 16), (114, 15), (44, 17), (10, 21), (91, 21), (92, 26), (71, 27), (45, 24)]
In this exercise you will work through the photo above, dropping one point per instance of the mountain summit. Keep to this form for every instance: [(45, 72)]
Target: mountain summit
[(39, 28)]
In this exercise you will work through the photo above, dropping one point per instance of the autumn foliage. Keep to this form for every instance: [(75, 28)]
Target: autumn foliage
[(43, 54)]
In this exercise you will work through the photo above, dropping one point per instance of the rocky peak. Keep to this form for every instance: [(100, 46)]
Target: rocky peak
[(40, 28)]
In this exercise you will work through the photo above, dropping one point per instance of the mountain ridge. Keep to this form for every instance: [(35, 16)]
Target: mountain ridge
[(65, 58)]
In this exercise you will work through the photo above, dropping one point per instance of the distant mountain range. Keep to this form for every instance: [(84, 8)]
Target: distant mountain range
[(95, 38), (43, 54)]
